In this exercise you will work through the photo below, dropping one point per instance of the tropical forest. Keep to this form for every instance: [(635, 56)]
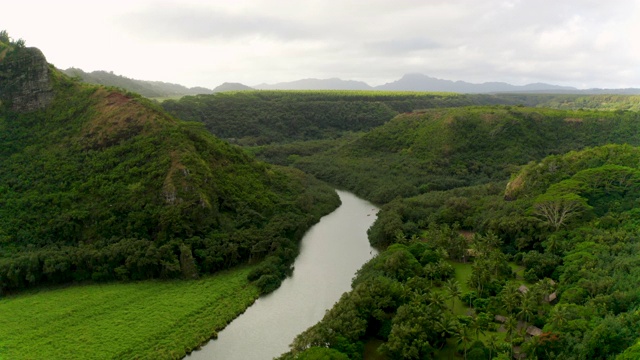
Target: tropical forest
[(133, 228)]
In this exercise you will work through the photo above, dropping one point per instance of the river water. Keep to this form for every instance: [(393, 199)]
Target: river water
[(330, 254)]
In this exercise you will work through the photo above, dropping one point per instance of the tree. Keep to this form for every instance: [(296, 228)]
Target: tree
[(480, 276), (558, 316), (527, 306), (187, 263), (478, 326), (510, 297), (437, 300), (463, 337), (492, 344), (511, 325), (430, 270), (556, 209), (413, 332), (4, 37), (453, 290), (446, 326)]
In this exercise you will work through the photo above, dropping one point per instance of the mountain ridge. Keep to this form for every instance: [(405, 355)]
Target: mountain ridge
[(421, 82), (143, 87), (408, 82), (316, 84)]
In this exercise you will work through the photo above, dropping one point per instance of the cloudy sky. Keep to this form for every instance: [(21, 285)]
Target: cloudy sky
[(581, 43)]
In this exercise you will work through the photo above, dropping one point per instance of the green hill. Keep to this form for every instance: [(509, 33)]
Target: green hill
[(265, 117), (441, 149), (97, 184)]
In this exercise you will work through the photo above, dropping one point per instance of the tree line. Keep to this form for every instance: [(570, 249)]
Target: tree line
[(265, 117)]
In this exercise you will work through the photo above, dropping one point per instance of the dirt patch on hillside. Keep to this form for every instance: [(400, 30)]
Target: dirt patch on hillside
[(116, 99), (118, 117)]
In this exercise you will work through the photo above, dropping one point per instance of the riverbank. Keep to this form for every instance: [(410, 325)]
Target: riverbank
[(141, 320), (168, 319), (330, 254)]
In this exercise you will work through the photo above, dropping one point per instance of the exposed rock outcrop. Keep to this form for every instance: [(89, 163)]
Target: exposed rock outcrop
[(25, 79)]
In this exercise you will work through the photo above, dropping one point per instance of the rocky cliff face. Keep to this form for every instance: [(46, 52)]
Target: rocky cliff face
[(25, 79)]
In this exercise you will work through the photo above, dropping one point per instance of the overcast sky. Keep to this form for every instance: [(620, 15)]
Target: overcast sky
[(581, 43)]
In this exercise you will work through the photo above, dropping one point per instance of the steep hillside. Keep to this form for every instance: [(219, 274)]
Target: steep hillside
[(265, 117), (99, 184), (441, 149), (25, 76)]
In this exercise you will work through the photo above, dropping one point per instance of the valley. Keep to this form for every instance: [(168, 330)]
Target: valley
[(508, 223)]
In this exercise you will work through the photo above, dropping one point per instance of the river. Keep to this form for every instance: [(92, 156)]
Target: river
[(330, 254)]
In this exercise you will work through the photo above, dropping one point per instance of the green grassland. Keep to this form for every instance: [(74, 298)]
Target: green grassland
[(138, 320)]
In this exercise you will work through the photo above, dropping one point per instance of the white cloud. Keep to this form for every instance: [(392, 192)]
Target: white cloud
[(584, 43)]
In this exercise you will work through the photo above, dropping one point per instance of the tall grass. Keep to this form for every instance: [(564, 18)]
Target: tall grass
[(143, 320)]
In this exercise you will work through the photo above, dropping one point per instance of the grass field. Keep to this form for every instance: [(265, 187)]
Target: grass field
[(143, 320)]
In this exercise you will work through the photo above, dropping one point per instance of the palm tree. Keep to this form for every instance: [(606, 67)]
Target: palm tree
[(492, 240), (437, 299), (453, 289), (477, 327), (480, 276), (492, 344), (430, 271), (531, 347), (558, 316), (463, 337), (510, 297), (544, 287), (479, 244), (446, 326), (400, 237), (442, 253), (511, 325), (527, 306), (552, 243)]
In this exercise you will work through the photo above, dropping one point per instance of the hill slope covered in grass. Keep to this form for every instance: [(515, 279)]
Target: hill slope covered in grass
[(102, 185)]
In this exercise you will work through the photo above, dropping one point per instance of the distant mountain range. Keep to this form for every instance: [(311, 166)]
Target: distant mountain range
[(317, 84), (409, 82), (420, 82), (231, 87)]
